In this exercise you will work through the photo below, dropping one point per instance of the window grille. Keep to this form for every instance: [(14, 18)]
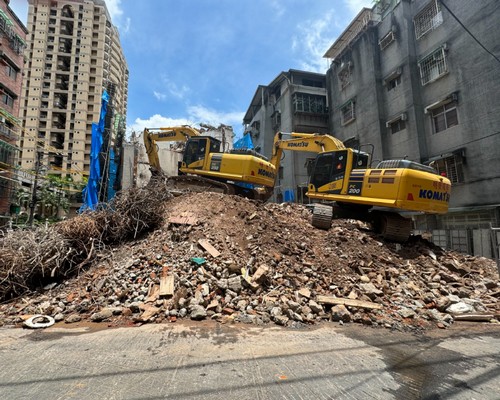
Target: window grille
[(433, 66), (444, 117), (348, 113), (452, 167), (428, 19), (387, 40), (345, 76), (309, 103)]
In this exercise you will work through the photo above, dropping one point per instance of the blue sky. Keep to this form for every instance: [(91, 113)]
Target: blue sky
[(200, 61)]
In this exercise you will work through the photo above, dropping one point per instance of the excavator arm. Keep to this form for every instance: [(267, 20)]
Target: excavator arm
[(168, 134), (305, 142)]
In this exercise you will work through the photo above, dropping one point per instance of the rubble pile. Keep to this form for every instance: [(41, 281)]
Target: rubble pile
[(29, 257), (232, 259)]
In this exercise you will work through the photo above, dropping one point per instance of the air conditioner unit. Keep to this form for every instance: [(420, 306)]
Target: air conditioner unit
[(2, 120)]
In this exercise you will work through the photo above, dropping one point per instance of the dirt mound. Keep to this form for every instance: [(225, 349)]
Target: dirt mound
[(233, 259)]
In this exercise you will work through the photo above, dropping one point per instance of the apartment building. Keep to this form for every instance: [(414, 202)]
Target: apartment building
[(295, 101), (73, 55), (12, 45), (420, 80)]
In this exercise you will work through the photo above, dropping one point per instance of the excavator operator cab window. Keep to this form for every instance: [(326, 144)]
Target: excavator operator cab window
[(195, 150), (329, 167), (322, 170), (214, 145), (360, 160)]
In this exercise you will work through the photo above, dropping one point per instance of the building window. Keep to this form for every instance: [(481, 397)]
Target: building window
[(393, 83), (345, 75), (428, 19), (11, 72), (7, 99), (348, 112), (312, 83), (309, 103), (276, 118), (397, 125), (444, 117), (387, 40), (433, 66), (452, 167)]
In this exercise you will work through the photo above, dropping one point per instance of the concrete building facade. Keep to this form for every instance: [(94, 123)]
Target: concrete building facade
[(73, 55), (295, 101), (12, 45), (420, 80)]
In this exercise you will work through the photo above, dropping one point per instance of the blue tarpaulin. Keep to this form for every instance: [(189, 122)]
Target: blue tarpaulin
[(289, 196), (244, 143), (90, 192)]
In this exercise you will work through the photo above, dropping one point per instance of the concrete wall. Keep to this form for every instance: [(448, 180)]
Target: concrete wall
[(129, 165), (169, 160)]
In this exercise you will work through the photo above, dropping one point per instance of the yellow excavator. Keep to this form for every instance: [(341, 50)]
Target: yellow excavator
[(341, 181), (205, 167), (343, 185)]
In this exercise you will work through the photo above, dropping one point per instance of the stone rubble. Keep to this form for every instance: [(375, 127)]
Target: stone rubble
[(268, 264)]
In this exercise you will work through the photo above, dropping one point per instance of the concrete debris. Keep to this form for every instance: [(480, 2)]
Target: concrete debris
[(241, 261)]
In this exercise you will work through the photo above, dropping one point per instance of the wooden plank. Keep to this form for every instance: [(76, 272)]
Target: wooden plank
[(149, 312), (166, 285), (154, 292), (209, 248), (183, 220), (474, 317), (348, 302)]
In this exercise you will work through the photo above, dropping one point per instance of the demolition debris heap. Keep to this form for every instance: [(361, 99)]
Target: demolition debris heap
[(152, 257)]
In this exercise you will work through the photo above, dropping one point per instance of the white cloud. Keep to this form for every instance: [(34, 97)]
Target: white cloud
[(278, 6), (311, 42), (116, 13), (196, 116), (114, 9), (201, 114), (126, 26), (355, 6), (175, 90), (160, 96), (156, 121)]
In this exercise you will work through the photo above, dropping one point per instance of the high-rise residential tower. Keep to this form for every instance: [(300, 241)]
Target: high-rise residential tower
[(73, 55)]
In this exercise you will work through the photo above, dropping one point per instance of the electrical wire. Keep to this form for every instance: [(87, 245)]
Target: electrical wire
[(469, 32)]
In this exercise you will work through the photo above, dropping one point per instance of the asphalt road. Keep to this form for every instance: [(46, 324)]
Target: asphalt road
[(212, 361)]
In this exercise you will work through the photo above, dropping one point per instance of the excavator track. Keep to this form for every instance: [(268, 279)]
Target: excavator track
[(190, 183), (322, 216), (394, 227)]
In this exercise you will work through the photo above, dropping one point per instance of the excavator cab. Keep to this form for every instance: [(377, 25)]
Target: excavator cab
[(198, 148), (333, 166)]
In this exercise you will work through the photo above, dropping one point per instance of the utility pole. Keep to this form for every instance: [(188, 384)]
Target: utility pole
[(32, 204)]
